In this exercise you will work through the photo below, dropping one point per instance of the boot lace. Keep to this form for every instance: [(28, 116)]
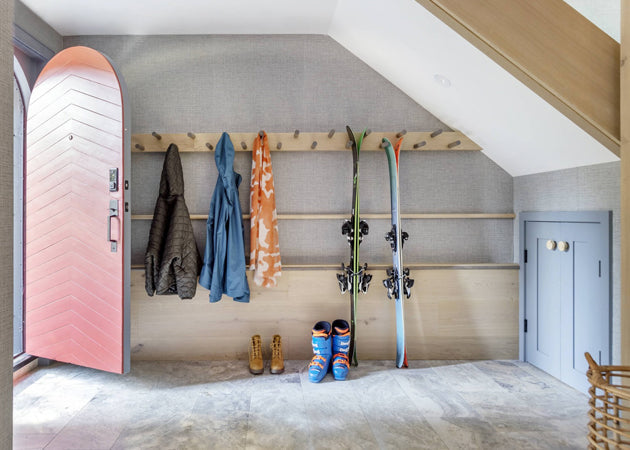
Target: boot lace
[(276, 349), (255, 347)]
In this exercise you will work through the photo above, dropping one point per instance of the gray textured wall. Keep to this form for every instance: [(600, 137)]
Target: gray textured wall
[(6, 224), (280, 83), (36, 27), (579, 189), (41, 40)]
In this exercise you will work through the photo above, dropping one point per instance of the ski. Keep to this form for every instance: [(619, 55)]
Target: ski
[(354, 278), (398, 281)]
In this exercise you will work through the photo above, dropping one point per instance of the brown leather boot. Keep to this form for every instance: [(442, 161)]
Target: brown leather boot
[(255, 355), (277, 361)]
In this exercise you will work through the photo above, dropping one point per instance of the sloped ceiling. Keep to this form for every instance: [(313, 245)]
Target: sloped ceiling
[(603, 14), (397, 38)]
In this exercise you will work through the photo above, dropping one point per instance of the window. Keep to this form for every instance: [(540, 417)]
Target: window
[(21, 92)]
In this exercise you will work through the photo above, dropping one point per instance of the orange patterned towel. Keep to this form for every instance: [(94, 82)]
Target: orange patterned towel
[(264, 258)]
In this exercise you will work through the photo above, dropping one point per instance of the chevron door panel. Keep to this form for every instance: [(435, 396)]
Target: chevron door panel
[(75, 302)]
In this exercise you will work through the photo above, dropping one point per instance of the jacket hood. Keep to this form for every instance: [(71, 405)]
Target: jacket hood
[(224, 158), (172, 181)]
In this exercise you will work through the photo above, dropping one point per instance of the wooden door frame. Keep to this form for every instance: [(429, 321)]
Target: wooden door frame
[(602, 217)]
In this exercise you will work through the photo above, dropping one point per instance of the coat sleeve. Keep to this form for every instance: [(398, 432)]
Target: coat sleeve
[(236, 275), (149, 270), (218, 283), (186, 260), (205, 278), (155, 246)]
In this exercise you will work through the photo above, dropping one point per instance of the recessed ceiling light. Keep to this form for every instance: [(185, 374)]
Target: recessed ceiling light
[(442, 80)]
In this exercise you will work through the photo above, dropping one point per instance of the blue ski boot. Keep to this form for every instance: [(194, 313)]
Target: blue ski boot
[(322, 347), (341, 347)]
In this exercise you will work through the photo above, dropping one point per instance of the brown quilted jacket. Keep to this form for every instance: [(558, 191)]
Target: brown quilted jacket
[(172, 262)]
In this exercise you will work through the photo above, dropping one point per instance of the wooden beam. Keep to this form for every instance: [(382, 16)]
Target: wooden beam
[(419, 140), (625, 182), (552, 49)]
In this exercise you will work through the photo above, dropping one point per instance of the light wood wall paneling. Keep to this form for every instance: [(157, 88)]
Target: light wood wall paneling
[(303, 142), (625, 182), (552, 49), (452, 314)]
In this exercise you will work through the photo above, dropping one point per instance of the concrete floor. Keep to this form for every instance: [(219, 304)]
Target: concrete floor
[(190, 405)]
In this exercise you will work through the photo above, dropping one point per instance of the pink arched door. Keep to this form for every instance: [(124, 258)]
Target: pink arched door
[(76, 254)]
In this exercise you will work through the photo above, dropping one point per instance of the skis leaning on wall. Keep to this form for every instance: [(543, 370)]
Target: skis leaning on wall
[(398, 282), (354, 278)]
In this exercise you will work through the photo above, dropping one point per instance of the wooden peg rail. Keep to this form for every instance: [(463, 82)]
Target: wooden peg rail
[(385, 216), (412, 265), (303, 141)]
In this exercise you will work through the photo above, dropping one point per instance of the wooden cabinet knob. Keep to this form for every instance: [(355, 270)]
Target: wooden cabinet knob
[(563, 246), (551, 244)]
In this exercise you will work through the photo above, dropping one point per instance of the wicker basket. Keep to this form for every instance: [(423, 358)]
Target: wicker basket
[(609, 425)]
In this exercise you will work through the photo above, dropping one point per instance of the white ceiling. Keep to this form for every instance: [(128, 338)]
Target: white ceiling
[(397, 38), (605, 14), (82, 17)]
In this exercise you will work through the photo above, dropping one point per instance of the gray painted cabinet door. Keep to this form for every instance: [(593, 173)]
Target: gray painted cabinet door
[(586, 300), (542, 302), (567, 297)]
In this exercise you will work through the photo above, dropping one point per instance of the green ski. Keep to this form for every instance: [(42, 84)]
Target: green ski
[(354, 278)]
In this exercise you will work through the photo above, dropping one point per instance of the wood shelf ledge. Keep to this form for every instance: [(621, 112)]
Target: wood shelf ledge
[(421, 140), (386, 216), (413, 266)]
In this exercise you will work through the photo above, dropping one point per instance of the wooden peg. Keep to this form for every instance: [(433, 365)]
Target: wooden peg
[(367, 132), (261, 134), (436, 132), (331, 133), (383, 145), (313, 145), (244, 145), (209, 145), (420, 144), (296, 134), (454, 144), (401, 134), (191, 135), (348, 144), (156, 136), (140, 147), (279, 146)]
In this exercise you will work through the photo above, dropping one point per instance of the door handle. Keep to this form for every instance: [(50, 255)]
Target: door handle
[(551, 244), (563, 246), (113, 212)]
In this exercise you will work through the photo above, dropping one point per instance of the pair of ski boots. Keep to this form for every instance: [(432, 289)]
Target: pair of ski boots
[(331, 345)]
